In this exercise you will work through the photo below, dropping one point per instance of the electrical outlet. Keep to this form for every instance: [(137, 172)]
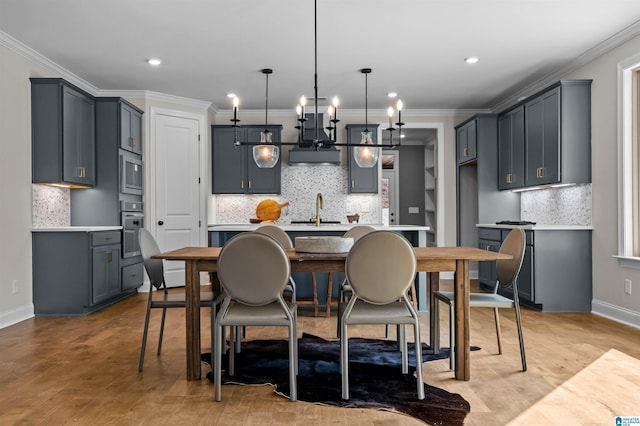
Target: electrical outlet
[(14, 286), (627, 286)]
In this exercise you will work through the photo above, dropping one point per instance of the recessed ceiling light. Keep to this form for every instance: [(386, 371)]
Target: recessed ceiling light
[(392, 94), (471, 59), (154, 61), (231, 95)]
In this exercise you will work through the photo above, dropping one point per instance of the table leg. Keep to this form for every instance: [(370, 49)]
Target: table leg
[(329, 291), (314, 289), (461, 296), (192, 314), (433, 285)]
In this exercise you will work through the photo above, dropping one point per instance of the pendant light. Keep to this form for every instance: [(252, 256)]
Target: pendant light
[(366, 155), (266, 154)]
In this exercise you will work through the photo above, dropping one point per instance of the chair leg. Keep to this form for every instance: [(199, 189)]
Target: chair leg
[(144, 339), (344, 360), (233, 335), (164, 315), (293, 360), (520, 336), (217, 361), (418, 352), (402, 342), (496, 315)]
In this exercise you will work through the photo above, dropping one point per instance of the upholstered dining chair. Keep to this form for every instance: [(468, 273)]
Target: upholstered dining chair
[(283, 238), (159, 296), (380, 269), (507, 276), (253, 286), (344, 291)]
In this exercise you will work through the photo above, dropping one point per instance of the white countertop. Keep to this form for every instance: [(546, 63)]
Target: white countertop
[(539, 227), (77, 229), (339, 227)]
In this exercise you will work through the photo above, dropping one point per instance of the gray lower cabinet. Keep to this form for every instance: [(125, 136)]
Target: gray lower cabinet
[(556, 269), (76, 272), (62, 133), (361, 179), (233, 168)]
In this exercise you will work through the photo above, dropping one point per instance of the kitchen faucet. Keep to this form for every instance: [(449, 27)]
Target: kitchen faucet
[(318, 207)]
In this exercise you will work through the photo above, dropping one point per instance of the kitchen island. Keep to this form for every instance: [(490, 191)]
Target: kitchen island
[(417, 236)]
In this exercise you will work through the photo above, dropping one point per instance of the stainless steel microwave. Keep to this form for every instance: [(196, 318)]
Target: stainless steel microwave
[(130, 174)]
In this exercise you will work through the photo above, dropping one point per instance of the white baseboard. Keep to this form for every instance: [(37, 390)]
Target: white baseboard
[(616, 313), (16, 315)]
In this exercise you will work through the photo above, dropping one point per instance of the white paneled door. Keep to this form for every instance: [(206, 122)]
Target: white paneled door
[(177, 176)]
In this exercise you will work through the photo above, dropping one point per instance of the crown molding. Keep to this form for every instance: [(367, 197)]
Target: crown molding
[(595, 52), (25, 51)]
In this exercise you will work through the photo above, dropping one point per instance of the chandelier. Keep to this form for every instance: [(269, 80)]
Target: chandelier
[(266, 153)]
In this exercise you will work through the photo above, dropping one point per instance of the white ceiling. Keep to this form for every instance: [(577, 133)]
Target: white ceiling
[(415, 47)]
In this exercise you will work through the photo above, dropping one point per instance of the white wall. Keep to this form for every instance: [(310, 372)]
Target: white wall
[(608, 277)]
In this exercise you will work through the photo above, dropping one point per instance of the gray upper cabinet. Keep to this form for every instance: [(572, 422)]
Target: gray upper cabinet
[(234, 171), (63, 133), (130, 128), (511, 149), (558, 134), (467, 142), (361, 179)]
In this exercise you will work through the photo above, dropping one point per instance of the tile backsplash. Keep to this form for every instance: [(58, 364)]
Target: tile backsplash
[(51, 206), (300, 184), (558, 206)]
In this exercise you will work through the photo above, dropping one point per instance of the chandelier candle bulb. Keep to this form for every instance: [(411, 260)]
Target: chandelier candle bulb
[(390, 113), (236, 102)]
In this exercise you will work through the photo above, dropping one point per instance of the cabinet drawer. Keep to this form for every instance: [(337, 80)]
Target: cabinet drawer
[(493, 234), (106, 237), (132, 276)]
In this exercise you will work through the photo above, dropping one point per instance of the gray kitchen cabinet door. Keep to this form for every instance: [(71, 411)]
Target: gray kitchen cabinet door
[(63, 133), (361, 179), (130, 128), (227, 162), (542, 130), (466, 137), (233, 168), (105, 273), (511, 149)]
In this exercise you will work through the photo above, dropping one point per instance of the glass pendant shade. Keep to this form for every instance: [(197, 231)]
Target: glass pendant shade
[(266, 154), (366, 155)]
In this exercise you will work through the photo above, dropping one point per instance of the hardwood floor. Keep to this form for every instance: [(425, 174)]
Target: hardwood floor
[(83, 370)]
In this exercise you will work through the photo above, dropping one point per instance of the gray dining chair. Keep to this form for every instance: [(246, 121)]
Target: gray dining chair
[(283, 238), (507, 276), (253, 286), (159, 296), (344, 291), (380, 268)]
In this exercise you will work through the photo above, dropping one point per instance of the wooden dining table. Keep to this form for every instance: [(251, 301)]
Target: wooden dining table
[(431, 260)]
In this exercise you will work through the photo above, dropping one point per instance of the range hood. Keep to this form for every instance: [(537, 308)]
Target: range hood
[(306, 154)]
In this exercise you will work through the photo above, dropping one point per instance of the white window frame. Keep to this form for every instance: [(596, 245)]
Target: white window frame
[(626, 159)]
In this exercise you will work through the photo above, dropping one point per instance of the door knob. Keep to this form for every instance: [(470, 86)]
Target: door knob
[(160, 223)]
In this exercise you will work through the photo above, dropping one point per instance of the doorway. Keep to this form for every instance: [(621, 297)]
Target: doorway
[(390, 189)]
